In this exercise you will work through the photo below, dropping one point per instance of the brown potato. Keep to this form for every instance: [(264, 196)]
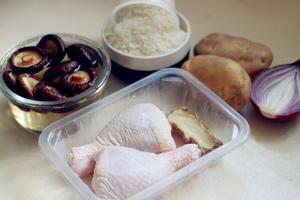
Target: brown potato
[(223, 76), (254, 57)]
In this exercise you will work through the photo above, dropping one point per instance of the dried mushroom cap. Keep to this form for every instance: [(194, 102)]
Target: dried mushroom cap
[(9, 77), (47, 92), (10, 80), (26, 84), (79, 81), (28, 60), (60, 69), (84, 55), (54, 47)]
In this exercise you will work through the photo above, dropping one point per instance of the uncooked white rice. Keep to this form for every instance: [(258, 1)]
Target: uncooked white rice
[(144, 30)]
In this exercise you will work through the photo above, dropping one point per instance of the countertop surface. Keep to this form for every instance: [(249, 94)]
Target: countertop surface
[(267, 166)]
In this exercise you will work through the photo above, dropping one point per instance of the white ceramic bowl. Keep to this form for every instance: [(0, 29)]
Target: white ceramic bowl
[(168, 5), (151, 63)]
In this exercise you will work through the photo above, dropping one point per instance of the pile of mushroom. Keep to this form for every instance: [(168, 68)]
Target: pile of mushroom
[(51, 71)]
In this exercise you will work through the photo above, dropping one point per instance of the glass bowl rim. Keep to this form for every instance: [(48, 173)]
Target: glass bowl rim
[(64, 103)]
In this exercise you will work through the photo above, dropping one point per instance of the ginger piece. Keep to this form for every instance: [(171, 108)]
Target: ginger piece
[(192, 130)]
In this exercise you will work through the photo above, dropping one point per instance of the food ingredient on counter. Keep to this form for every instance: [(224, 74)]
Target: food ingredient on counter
[(276, 92), (254, 57), (54, 47), (28, 60), (78, 81), (43, 91), (60, 69), (84, 55), (26, 84), (188, 125), (142, 126), (42, 63), (10, 80), (223, 76), (144, 30), (136, 149), (121, 172)]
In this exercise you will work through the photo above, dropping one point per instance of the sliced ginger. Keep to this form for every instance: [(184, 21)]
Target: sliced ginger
[(192, 130)]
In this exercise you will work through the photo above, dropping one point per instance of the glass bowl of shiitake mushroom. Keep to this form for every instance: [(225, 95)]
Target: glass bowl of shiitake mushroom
[(48, 76)]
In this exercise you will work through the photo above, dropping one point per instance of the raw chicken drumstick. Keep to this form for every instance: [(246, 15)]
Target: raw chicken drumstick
[(121, 172), (142, 126)]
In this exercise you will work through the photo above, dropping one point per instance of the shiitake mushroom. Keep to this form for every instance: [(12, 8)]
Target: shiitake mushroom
[(47, 92), (54, 47), (78, 81), (10, 80), (84, 55), (60, 69), (76, 75), (28, 60), (26, 83)]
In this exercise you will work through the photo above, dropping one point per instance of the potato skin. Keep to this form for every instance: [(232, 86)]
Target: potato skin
[(223, 76), (254, 57)]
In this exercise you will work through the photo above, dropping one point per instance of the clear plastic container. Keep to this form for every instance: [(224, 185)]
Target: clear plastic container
[(168, 88)]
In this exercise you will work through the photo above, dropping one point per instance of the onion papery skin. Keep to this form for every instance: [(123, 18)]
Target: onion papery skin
[(269, 83)]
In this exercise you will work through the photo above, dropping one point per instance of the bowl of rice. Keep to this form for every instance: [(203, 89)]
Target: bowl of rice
[(141, 38)]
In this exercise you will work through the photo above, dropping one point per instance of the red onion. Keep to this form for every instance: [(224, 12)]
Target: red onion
[(276, 92)]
